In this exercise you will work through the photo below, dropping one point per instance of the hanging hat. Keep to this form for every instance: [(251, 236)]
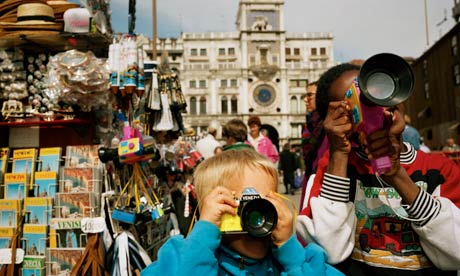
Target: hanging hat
[(190, 132), (59, 2), (35, 16), (12, 5), (77, 20), (47, 35), (9, 16)]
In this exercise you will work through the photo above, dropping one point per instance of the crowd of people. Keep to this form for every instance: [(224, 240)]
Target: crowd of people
[(353, 220)]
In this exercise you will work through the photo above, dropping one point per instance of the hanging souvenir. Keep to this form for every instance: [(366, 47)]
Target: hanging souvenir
[(128, 256), (114, 64), (78, 78), (154, 98), (140, 75), (163, 121), (178, 95), (125, 211), (131, 66)]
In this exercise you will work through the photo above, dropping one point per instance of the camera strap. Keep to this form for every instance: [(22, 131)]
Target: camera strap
[(287, 199), (399, 211)]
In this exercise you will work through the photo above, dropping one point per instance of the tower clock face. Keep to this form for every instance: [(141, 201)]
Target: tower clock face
[(264, 95)]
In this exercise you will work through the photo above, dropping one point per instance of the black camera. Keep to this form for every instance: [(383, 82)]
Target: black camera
[(255, 216)]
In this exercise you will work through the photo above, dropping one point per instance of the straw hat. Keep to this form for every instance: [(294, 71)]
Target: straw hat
[(190, 132), (35, 16), (51, 35), (12, 5), (58, 2), (62, 5)]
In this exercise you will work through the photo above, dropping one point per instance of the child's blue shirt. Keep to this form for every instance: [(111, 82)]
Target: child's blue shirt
[(201, 254)]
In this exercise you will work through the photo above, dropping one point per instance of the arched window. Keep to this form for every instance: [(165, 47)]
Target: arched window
[(234, 104), (203, 105), (294, 105), (192, 105), (224, 107)]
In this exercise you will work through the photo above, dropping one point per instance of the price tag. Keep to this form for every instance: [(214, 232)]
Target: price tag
[(5, 256), (93, 225)]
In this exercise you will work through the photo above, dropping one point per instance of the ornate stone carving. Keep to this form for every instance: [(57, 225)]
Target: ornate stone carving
[(261, 24), (264, 71)]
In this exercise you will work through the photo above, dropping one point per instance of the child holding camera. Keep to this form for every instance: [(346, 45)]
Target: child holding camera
[(219, 181)]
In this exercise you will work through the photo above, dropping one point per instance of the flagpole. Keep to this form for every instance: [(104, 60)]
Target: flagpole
[(154, 30), (426, 26)]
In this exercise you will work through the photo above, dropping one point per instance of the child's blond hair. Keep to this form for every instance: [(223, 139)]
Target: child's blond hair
[(226, 168)]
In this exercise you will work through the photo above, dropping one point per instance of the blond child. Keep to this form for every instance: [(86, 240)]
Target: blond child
[(207, 251)]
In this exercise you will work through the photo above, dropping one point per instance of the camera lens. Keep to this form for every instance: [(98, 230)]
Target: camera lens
[(380, 85), (259, 217), (256, 219)]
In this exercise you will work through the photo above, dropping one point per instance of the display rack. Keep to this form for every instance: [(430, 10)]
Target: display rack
[(78, 131), (58, 41)]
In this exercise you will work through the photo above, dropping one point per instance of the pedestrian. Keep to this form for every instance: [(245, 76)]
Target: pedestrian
[(410, 133), (450, 146), (208, 251), (403, 222), (313, 142), (208, 144), (235, 133), (176, 197), (288, 164), (260, 142), (423, 146)]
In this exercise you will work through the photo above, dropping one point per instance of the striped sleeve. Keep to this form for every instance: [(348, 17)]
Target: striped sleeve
[(335, 188), (424, 208)]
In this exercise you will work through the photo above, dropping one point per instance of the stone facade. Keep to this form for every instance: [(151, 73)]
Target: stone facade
[(259, 69)]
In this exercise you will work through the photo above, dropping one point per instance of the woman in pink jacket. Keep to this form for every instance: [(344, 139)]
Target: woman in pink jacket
[(261, 143)]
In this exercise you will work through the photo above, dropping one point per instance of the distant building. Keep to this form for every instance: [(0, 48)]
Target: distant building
[(258, 69), (435, 105)]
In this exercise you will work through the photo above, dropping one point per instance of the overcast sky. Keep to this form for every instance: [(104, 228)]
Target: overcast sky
[(361, 28)]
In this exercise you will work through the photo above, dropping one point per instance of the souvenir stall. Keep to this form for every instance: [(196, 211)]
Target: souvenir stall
[(95, 174), (149, 162)]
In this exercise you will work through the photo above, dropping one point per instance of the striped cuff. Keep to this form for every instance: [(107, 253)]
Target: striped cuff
[(336, 188), (424, 208)]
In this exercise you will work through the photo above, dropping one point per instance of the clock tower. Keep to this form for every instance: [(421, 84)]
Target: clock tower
[(258, 69), (261, 29)]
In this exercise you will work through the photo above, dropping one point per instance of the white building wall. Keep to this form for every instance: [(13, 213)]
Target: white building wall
[(214, 67)]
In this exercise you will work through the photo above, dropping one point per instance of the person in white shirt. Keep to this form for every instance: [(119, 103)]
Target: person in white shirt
[(424, 147), (208, 144)]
